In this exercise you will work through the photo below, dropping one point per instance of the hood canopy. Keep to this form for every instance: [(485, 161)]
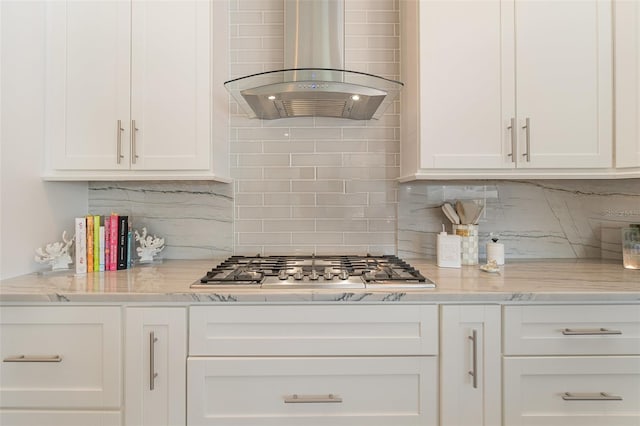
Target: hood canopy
[(314, 82)]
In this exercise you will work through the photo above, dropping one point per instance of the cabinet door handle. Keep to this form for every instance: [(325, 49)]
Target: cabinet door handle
[(596, 396), (474, 359), (34, 358), (134, 129), (311, 399), (119, 155), (152, 361), (527, 127), (589, 332), (514, 139)]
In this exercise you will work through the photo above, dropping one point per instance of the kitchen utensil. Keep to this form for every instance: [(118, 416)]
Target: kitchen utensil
[(450, 213), (461, 212), (476, 218)]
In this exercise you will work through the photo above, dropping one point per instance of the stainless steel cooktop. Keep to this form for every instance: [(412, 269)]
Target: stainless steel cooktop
[(314, 272)]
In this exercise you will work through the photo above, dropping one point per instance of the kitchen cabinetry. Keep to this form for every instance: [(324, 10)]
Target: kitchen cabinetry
[(312, 365), (470, 371), (155, 356), (497, 86), (627, 87), (62, 364), (133, 91), (566, 365)]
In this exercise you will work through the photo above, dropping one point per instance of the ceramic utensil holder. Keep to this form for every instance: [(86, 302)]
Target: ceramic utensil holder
[(469, 243)]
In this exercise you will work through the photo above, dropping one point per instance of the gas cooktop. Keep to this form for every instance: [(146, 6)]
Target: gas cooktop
[(314, 272)]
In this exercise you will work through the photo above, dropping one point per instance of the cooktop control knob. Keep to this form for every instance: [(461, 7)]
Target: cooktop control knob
[(298, 275), (344, 274), (314, 275), (283, 274), (328, 275)]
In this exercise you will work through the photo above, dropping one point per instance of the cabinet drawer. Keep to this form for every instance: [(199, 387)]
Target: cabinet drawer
[(313, 330), (60, 357), (330, 391), (59, 418), (572, 330), (535, 391)]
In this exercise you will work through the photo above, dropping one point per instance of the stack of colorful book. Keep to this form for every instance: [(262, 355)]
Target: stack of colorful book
[(103, 243)]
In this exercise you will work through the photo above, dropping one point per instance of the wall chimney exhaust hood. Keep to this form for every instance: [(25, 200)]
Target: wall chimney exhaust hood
[(314, 82)]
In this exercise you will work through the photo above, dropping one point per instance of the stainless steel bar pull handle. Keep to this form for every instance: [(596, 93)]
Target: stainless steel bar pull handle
[(527, 127), (474, 361), (134, 129), (589, 332), (33, 358), (152, 361), (119, 131), (514, 138), (596, 396), (311, 399)]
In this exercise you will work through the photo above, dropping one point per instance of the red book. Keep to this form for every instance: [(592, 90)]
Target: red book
[(107, 241)]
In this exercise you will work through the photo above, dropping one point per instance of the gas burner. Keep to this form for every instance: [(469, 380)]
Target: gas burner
[(349, 271)]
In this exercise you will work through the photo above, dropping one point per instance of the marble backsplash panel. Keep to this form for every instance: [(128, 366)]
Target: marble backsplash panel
[(195, 218), (534, 218)]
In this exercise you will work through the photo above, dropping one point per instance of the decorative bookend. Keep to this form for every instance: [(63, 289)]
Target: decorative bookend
[(56, 254), (150, 246)]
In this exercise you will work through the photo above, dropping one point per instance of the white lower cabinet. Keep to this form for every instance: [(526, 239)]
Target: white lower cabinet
[(155, 377), (283, 391), (313, 365), (571, 365), (572, 391), (61, 365), (470, 383), (61, 418)]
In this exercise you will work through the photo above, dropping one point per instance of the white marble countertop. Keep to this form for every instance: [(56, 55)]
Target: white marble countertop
[(566, 280)]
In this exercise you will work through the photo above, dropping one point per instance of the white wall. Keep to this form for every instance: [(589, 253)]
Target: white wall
[(32, 212)]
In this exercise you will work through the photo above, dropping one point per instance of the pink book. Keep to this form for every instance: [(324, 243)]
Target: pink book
[(107, 241), (113, 242)]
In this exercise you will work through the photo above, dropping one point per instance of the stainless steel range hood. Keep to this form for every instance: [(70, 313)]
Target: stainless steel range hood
[(314, 81)]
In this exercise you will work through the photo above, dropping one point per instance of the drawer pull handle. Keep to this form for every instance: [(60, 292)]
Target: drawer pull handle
[(311, 399), (474, 347), (596, 396), (152, 360), (34, 358), (589, 332)]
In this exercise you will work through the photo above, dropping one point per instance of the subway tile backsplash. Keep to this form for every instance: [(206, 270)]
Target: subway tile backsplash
[(329, 186)]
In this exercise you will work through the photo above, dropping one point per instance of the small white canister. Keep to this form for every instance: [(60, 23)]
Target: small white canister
[(495, 252)]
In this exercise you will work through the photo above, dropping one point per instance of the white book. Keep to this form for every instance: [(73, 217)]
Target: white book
[(81, 245), (101, 257)]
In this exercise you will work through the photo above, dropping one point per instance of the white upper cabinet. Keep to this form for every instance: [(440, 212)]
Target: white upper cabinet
[(132, 89), (497, 86), (627, 69)]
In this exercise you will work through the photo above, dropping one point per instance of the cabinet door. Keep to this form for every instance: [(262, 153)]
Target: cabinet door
[(572, 391), (59, 418), (312, 391), (87, 85), (470, 366), (627, 69), (60, 357), (171, 85), (156, 354), (466, 85), (564, 83)]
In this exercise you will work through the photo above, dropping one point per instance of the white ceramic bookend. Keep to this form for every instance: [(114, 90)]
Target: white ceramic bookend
[(149, 245), (56, 254)]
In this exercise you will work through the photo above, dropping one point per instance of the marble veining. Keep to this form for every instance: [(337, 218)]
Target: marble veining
[(195, 218), (534, 219), (551, 281)]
